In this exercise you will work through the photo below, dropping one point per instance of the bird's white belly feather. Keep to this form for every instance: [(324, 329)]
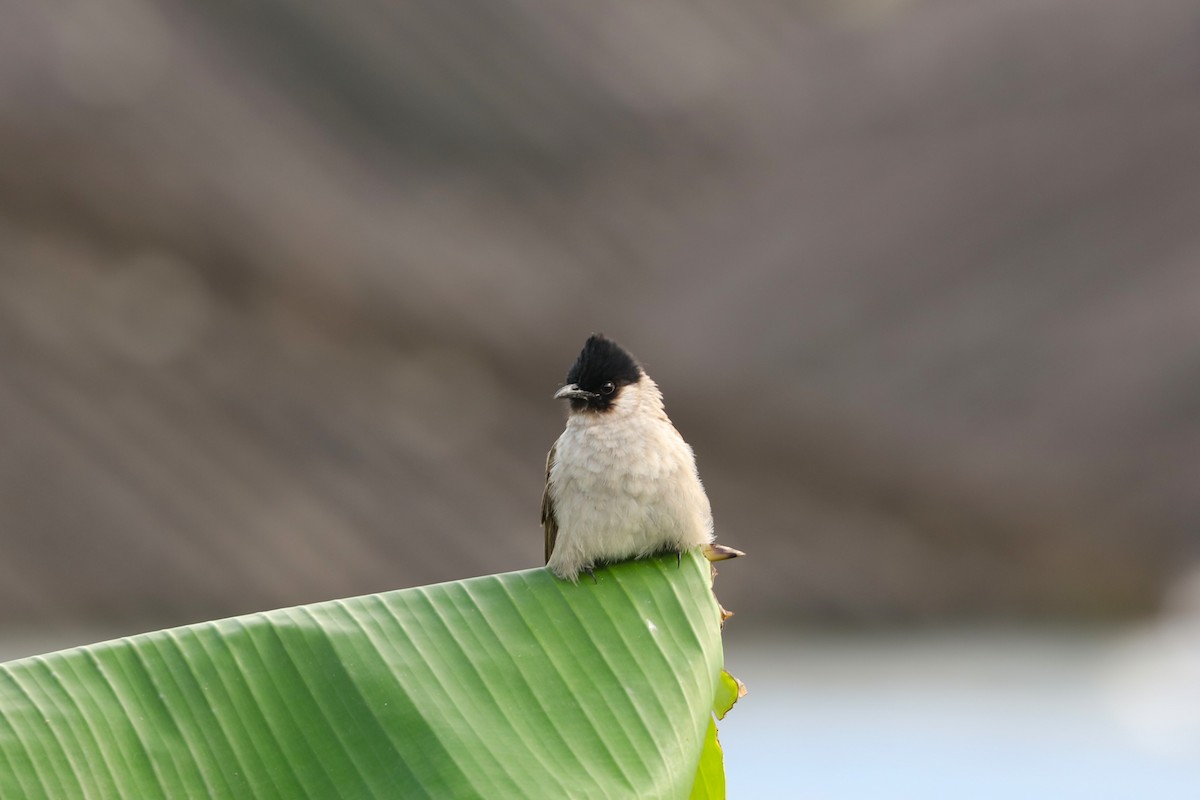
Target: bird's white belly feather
[(624, 491)]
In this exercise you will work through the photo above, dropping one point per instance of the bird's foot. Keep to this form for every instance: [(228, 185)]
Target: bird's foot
[(591, 574)]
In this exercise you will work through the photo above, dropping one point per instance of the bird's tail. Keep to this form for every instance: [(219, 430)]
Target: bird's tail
[(719, 552)]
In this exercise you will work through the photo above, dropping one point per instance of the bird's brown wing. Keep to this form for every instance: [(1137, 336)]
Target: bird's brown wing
[(549, 522)]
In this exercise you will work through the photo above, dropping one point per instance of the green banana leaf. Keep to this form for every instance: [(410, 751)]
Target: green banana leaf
[(509, 686)]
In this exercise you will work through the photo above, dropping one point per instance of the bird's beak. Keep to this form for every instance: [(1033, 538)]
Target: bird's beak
[(572, 392)]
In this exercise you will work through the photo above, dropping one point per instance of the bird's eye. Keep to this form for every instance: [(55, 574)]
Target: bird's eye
[(608, 388)]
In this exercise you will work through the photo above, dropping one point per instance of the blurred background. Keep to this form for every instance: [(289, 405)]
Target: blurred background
[(285, 290)]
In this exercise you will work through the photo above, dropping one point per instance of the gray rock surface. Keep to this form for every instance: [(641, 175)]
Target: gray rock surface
[(286, 287)]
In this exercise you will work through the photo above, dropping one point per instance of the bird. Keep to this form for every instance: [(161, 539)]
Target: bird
[(621, 482)]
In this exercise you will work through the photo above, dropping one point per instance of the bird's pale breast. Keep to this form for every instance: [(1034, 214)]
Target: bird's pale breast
[(624, 490)]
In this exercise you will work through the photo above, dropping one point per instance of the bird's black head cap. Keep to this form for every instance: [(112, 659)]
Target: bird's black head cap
[(602, 369)]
